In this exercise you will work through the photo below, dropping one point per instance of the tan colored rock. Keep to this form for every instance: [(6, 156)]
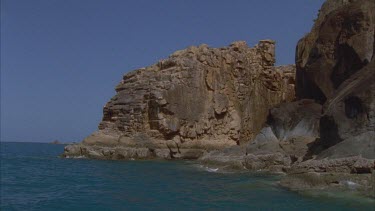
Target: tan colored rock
[(201, 98)]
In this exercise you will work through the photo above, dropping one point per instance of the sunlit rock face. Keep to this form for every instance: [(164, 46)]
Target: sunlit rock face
[(198, 98), (335, 66)]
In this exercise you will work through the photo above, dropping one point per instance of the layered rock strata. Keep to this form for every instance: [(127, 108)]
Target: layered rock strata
[(197, 100)]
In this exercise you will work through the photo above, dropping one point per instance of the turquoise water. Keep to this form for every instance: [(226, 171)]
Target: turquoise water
[(33, 177)]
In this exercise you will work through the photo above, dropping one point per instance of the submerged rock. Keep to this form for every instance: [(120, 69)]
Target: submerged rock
[(228, 158), (310, 181)]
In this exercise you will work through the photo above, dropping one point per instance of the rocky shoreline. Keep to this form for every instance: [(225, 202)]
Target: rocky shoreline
[(352, 174), (232, 108)]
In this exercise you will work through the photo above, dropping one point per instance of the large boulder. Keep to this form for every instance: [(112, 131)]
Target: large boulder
[(291, 129)]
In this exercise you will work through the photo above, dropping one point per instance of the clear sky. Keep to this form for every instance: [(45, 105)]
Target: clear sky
[(61, 59)]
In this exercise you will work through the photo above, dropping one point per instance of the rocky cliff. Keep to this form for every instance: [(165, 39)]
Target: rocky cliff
[(335, 66), (334, 116), (327, 137), (231, 107), (197, 100)]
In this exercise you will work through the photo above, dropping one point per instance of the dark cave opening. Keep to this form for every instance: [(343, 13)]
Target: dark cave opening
[(353, 107)]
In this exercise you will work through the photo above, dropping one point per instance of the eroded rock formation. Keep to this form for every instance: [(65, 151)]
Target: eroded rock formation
[(335, 66), (199, 98), (290, 132), (326, 139), (231, 107)]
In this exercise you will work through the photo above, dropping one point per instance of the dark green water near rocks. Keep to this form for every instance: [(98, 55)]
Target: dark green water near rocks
[(33, 177)]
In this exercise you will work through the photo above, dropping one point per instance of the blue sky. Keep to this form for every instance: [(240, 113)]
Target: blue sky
[(61, 59)]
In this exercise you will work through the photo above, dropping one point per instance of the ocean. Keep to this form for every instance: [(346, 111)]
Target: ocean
[(34, 177)]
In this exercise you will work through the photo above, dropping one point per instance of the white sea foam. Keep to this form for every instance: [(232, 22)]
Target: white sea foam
[(212, 169), (350, 184), (75, 157), (208, 169)]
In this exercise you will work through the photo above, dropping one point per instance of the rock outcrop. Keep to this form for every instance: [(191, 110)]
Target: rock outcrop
[(336, 67), (198, 99), (326, 139), (231, 107), (287, 138)]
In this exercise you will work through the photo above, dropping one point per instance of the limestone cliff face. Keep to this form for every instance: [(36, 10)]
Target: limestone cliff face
[(335, 66), (200, 97)]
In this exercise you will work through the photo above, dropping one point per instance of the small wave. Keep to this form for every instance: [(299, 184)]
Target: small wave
[(212, 169), (350, 184), (208, 169), (75, 157)]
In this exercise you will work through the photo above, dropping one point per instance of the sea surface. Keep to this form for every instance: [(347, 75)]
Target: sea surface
[(34, 177)]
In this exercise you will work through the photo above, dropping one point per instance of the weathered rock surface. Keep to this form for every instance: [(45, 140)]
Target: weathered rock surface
[(356, 164), (326, 139), (352, 173), (336, 67), (199, 98), (226, 159), (291, 127), (290, 131), (231, 107), (313, 181)]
